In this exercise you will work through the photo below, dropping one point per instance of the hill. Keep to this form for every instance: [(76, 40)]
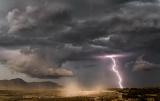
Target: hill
[(21, 84)]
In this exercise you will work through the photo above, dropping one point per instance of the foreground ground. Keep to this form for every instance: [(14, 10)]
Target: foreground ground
[(134, 94)]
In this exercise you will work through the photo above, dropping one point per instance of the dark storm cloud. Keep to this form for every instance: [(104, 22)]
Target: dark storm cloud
[(37, 63), (41, 17), (83, 32), (57, 31), (37, 67), (135, 25), (142, 65)]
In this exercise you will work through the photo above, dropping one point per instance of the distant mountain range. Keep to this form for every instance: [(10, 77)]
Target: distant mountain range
[(21, 84)]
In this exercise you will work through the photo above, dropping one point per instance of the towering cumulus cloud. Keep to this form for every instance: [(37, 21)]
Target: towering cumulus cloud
[(37, 56)]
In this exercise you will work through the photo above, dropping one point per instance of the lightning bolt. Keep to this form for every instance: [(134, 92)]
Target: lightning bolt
[(115, 70)]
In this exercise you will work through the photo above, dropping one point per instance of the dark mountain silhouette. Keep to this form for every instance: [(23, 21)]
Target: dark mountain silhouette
[(21, 84)]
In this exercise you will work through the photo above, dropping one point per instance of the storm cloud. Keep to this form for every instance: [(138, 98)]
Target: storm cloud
[(142, 65), (38, 17), (33, 65), (49, 33)]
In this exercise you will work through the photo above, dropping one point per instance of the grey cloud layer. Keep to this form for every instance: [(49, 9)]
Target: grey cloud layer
[(142, 65), (34, 65), (38, 17), (60, 31)]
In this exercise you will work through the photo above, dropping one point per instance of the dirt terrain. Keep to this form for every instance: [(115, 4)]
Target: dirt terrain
[(55, 95), (127, 94)]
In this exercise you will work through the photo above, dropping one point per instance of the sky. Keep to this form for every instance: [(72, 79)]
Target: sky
[(62, 40)]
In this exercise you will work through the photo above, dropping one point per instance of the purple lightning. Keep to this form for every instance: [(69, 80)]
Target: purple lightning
[(114, 68)]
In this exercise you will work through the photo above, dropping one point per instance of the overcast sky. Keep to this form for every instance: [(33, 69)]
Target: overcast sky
[(60, 40)]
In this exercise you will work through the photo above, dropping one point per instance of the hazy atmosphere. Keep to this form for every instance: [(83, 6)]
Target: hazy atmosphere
[(68, 41)]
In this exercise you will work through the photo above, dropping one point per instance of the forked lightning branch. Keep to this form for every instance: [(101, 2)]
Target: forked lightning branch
[(115, 70)]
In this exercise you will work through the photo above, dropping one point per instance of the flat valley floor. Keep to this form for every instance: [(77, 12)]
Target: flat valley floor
[(128, 94)]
